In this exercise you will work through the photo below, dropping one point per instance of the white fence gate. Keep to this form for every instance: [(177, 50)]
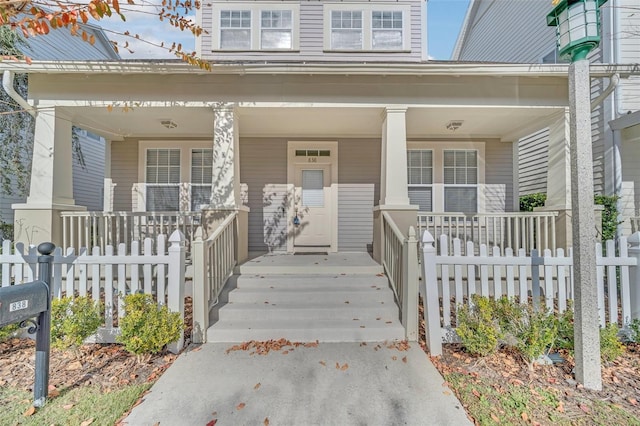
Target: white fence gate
[(107, 277), (449, 279)]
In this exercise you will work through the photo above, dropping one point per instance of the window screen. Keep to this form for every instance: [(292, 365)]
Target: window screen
[(346, 30), (235, 29)]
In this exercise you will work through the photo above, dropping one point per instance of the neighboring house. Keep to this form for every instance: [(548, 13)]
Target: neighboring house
[(516, 31), (88, 167), (317, 117)]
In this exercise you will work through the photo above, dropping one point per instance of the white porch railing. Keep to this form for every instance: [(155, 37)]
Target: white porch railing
[(89, 229), (451, 277), (635, 224), (400, 262), (107, 276), (525, 230), (213, 262)]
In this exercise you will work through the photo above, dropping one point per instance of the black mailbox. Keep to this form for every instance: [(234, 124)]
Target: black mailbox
[(23, 301)]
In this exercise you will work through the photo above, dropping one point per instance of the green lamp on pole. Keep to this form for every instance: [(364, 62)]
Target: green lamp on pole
[(577, 25)]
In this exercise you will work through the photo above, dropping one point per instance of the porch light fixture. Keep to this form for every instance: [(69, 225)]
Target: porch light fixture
[(454, 125), (169, 124), (577, 25)]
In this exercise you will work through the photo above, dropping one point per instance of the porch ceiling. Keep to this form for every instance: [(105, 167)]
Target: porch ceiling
[(506, 123)]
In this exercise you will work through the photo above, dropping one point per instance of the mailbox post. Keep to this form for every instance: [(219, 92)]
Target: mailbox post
[(20, 304)]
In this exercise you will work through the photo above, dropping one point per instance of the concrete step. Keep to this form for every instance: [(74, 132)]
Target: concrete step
[(305, 331), (355, 311), (328, 282), (319, 268), (318, 295)]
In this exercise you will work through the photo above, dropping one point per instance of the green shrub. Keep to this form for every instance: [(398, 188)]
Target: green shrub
[(8, 331), (565, 339), (73, 320), (147, 328), (610, 346), (535, 333), (609, 215), (634, 331), (476, 326), (508, 313), (529, 202)]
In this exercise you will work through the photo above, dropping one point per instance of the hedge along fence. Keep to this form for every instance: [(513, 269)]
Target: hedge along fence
[(542, 279), (108, 277)]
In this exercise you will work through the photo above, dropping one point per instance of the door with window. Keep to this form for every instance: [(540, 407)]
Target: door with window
[(313, 207)]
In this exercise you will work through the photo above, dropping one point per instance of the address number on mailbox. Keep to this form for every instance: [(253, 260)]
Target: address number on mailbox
[(19, 305)]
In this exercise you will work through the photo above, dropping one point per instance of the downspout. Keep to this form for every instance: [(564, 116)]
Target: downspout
[(613, 85), (7, 85), (617, 143)]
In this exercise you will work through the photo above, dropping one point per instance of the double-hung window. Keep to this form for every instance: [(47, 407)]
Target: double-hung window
[(460, 171), (235, 29), (346, 30), (276, 29), (386, 30), (420, 174), (201, 174), (163, 179)]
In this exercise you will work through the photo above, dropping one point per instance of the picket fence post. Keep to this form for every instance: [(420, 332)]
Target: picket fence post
[(410, 292), (200, 297), (430, 296), (634, 276), (175, 290)]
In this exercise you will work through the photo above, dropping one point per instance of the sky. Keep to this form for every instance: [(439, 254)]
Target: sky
[(444, 20)]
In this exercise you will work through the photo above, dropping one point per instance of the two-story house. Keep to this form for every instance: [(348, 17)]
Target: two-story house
[(516, 32), (316, 117)]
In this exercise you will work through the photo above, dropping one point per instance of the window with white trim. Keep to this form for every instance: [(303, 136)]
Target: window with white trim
[(460, 178), (420, 175), (162, 174), (366, 27), (276, 29), (235, 29), (346, 30), (201, 177), (386, 30)]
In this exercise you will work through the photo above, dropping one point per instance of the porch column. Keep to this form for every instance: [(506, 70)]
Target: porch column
[(51, 188), (394, 193), (225, 185), (559, 178)]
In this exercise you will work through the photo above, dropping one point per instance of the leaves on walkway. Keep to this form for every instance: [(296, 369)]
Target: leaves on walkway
[(257, 386), (240, 406), (264, 347)]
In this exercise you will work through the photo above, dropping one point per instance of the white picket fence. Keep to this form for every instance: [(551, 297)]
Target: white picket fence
[(107, 277), (449, 279)]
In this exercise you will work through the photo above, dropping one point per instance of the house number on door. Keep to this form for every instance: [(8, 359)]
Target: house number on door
[(312, 159)]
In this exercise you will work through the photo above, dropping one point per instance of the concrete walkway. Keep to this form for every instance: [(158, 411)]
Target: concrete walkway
[(372, 386)]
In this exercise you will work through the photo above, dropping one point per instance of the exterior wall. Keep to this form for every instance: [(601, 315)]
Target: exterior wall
[(358, 192), (124, 172), (533, 156), (311, 37), (499, 191), (629, 43), (630, 197), (88, 181)]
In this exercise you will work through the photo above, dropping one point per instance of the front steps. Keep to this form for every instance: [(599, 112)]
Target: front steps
[(328, 307)]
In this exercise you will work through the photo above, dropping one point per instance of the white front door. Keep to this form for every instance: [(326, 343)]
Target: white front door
[(313, 207)]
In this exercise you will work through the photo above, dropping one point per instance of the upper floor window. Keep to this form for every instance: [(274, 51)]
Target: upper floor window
[(235, 29), (276, 29), (346, 30), (370, 27), (255, 26)]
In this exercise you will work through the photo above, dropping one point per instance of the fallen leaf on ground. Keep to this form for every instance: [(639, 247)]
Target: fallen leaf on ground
[(87, 422), (212, 422), (395, 358), (156, 424), (585, 408), (54, 393), (30, 411), (404, 359), (240, 406), (495, 418), (344, 367), (67, 406), (199, 348), (322, 363), (257, 386), (475, 393), (560, 407), (266, 421), (76, 365), (446, 393), (524, 416), (633, 401)]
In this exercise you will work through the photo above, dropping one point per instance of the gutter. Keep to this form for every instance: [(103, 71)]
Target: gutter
[(613, 84), (7, 85)]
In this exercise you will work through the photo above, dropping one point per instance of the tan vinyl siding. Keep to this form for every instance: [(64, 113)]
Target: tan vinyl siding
[(311, 38), (498, 176), (358, 191), (124, 172), (263, 169), (533, 157), (88, 181)]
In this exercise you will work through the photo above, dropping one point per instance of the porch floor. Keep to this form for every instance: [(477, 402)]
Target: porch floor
[(332, 263)]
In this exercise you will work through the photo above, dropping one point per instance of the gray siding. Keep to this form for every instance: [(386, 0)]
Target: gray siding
[(358, 192), (533, 157), (312, 38), (6, 200), (263, 169), (630, 53), (88, 181), (498, 176), (124, 172)]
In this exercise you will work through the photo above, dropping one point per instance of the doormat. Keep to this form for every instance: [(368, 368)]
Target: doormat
[(317, 253)]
